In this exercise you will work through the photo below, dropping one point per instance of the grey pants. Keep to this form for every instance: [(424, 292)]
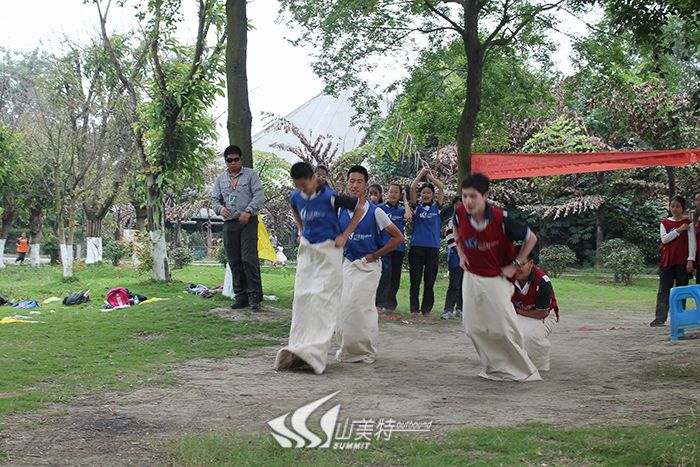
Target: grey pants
[(241, 243)]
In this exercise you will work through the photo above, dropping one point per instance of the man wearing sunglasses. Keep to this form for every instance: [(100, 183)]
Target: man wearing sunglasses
[(238, 196)]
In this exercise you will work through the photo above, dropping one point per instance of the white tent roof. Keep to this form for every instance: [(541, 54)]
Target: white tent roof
[(322, 115)]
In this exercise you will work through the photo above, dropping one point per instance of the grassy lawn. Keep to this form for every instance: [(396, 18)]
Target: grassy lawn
[(529, 445), (81, 350)]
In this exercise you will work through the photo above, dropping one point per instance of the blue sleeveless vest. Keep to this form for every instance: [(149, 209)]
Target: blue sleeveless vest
[(426, 226), (319, 217), (366, 238), (396, 216)]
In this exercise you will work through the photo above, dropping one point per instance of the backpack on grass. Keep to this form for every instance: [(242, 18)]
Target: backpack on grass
[(76, 298), (118, 296)]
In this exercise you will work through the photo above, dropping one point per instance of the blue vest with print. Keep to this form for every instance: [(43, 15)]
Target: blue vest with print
[(319, 217), (426, 226), (396, 216), (366, 238)]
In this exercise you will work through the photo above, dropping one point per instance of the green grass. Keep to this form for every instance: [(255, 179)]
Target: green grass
[(533, 444), (80, 349), (597, 291)]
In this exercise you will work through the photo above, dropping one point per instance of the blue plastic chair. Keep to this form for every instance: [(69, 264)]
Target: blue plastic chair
[(682, 319)]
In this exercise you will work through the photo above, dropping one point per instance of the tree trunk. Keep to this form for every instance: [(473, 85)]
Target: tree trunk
[(178, 233), (599, 233), (94, 240), (240, 118), (472, 104), (671, 182), (8, 215), (66, 237), (209, 238), (141, 216), (36, 235)]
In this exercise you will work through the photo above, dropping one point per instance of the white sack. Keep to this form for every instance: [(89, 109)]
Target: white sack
[(491, 323), (357, 327), (317, 288), (535, 334)]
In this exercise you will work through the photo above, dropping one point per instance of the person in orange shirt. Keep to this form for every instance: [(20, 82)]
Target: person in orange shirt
[(22, 246)]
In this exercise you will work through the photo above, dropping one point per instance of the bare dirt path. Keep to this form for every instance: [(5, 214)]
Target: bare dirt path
[(426, 372)]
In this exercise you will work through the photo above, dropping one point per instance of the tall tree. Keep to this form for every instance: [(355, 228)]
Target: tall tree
[(240, 118), (353, 36), (171, 127)]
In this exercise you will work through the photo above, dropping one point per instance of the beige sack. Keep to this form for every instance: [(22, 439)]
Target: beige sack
[(317, 287), (357, 327), (490, 322), (535, 338)]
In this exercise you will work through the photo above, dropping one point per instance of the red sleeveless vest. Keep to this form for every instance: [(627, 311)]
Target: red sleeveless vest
[(489, 250)]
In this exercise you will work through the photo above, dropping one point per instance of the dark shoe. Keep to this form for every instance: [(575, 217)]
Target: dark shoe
[(239, 304), (255, 302), (657, 323)]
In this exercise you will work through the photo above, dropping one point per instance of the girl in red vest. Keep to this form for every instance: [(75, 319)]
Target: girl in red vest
[(677, 256)]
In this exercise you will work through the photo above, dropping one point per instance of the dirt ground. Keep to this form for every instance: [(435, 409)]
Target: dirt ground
[(426, 371)]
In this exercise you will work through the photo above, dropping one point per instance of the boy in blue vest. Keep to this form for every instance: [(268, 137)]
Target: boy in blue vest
[(357, 327), (319, 279), (484, 237)]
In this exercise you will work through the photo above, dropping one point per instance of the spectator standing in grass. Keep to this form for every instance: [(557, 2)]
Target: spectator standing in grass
[(424, 254)]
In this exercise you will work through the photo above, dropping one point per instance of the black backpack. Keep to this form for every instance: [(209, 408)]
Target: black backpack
[(76, 298)]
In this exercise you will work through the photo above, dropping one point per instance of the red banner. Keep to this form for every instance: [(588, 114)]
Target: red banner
[(498, 166)]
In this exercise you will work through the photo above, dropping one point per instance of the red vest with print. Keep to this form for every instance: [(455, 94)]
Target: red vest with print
[(489, 250), (675, 251), (527, 301)]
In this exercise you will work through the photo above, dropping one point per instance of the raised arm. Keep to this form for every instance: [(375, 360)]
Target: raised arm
[(440, 185), (408, 212), (414, 185)]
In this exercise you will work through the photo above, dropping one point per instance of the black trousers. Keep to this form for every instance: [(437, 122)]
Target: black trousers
[(390, 281), (454, 289), (241, 243), (667, 276), (423, 263)]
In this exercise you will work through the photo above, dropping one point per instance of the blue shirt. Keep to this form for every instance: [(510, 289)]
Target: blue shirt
[(366, 238), (426, 226), (395, 214), (319, 213)]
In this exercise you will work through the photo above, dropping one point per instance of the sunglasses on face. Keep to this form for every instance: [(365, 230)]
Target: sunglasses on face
[(233, 159)]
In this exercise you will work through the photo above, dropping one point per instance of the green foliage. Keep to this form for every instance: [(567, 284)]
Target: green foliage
[(626, 260), (555, 259), (273, 172), (51, 247), (142, 251), (114, 250), (433, 98), (181, 256), (562, 135), (220, 255)]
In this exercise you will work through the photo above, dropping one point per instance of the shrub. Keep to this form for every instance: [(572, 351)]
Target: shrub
[(51, 247), (554, 259), (115, 250), (181, 257), (625, 260), (142, 252), (220, 255)]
